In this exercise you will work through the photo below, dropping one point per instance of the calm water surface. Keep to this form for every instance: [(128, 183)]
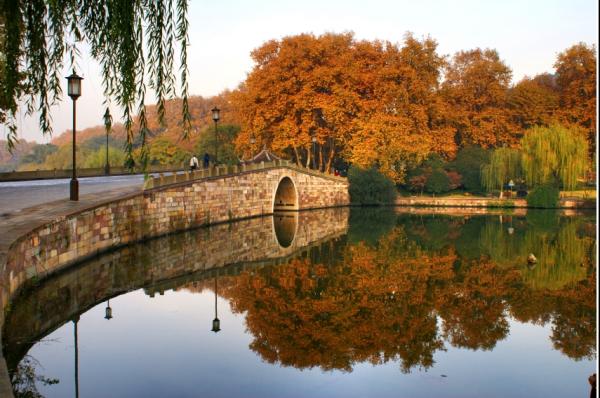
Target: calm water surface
[(332, 303)]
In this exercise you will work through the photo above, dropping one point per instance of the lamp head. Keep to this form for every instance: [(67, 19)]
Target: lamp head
[(215, 114), (108, 313), (74, 85), (216, 325)]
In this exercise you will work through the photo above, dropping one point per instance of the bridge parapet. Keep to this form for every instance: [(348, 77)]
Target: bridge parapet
[(222, 171)]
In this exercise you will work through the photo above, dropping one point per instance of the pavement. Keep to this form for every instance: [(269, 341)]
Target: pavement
[(18, 195)]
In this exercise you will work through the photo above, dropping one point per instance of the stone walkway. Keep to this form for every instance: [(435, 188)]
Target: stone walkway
[(18, 223), (17, 195)]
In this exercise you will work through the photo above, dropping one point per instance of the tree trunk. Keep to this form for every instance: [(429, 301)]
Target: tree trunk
[(297, 156), (330, 160), (321, 157), (308, 153)]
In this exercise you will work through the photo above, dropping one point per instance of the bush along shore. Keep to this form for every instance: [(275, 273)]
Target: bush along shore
[(368, 187)]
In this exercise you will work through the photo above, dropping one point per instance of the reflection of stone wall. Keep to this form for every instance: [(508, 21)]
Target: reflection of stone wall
[(158, 265)]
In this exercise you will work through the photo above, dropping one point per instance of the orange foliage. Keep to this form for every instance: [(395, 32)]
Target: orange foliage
[(475, 88), (576, 78), (373, 102), (533, 102)]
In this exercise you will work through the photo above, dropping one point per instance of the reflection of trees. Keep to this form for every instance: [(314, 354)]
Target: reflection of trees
[(380, 302), (558, 247), (574, 329), (473, 307), (369, 307), (24, 379)]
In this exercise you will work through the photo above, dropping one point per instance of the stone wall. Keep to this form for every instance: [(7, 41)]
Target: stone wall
[(485, 202), (172, 206), (82, 172)]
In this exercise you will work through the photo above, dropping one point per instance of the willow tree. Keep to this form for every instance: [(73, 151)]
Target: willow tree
[(133, 41), (505, 165), (554, 155)]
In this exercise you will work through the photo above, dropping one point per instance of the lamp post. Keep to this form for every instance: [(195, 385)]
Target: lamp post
[(215, 116), (216, 323), (107, 125), (74, 91), (314, 142)]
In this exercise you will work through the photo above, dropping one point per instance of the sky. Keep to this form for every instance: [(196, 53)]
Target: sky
[(528, 34)]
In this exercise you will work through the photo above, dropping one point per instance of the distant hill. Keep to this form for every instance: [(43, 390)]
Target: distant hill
[(118, 132), (9, 161), (200, 110)]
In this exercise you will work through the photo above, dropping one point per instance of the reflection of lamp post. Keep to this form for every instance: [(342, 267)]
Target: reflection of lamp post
[(215, 116), (108, 311), (107, 125), (75, 320), (74, 91), (314, 142), (216, 323)]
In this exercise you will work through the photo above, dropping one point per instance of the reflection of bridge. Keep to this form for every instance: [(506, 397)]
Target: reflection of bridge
[(163, 264)]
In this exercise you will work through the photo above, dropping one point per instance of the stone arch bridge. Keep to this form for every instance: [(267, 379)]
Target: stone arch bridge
[(251, 189)]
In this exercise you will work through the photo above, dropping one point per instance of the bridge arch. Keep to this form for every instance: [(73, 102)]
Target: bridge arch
[(286, 195)]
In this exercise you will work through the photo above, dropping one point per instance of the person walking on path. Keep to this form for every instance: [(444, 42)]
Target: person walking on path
[(206, 160), (193, 163)]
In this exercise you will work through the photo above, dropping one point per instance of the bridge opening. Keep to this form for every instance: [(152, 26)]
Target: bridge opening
[(285, 196)]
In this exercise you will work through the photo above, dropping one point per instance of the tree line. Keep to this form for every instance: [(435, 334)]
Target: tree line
[(375, 103), (414, 114)]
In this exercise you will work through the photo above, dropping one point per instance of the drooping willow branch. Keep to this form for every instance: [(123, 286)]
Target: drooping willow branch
[(133, 41)]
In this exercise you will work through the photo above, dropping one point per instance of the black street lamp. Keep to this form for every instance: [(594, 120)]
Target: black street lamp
[(314, 142), (74, 91), (215, 116), (216, 323), (107, 126), (108, 311)]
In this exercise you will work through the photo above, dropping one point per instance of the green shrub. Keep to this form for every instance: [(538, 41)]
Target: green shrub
[(543, 196), (438, 182), (468, 164), (370, 187)]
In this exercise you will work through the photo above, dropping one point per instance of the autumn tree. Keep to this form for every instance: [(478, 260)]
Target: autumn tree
[(402, 117), (576, 79), (298, 90), (533, 101), (475, 88), (163, 151)]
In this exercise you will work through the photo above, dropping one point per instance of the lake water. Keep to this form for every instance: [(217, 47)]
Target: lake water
[(328, 303)]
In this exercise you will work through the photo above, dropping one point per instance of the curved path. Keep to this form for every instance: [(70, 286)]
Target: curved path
[(18, 195)]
